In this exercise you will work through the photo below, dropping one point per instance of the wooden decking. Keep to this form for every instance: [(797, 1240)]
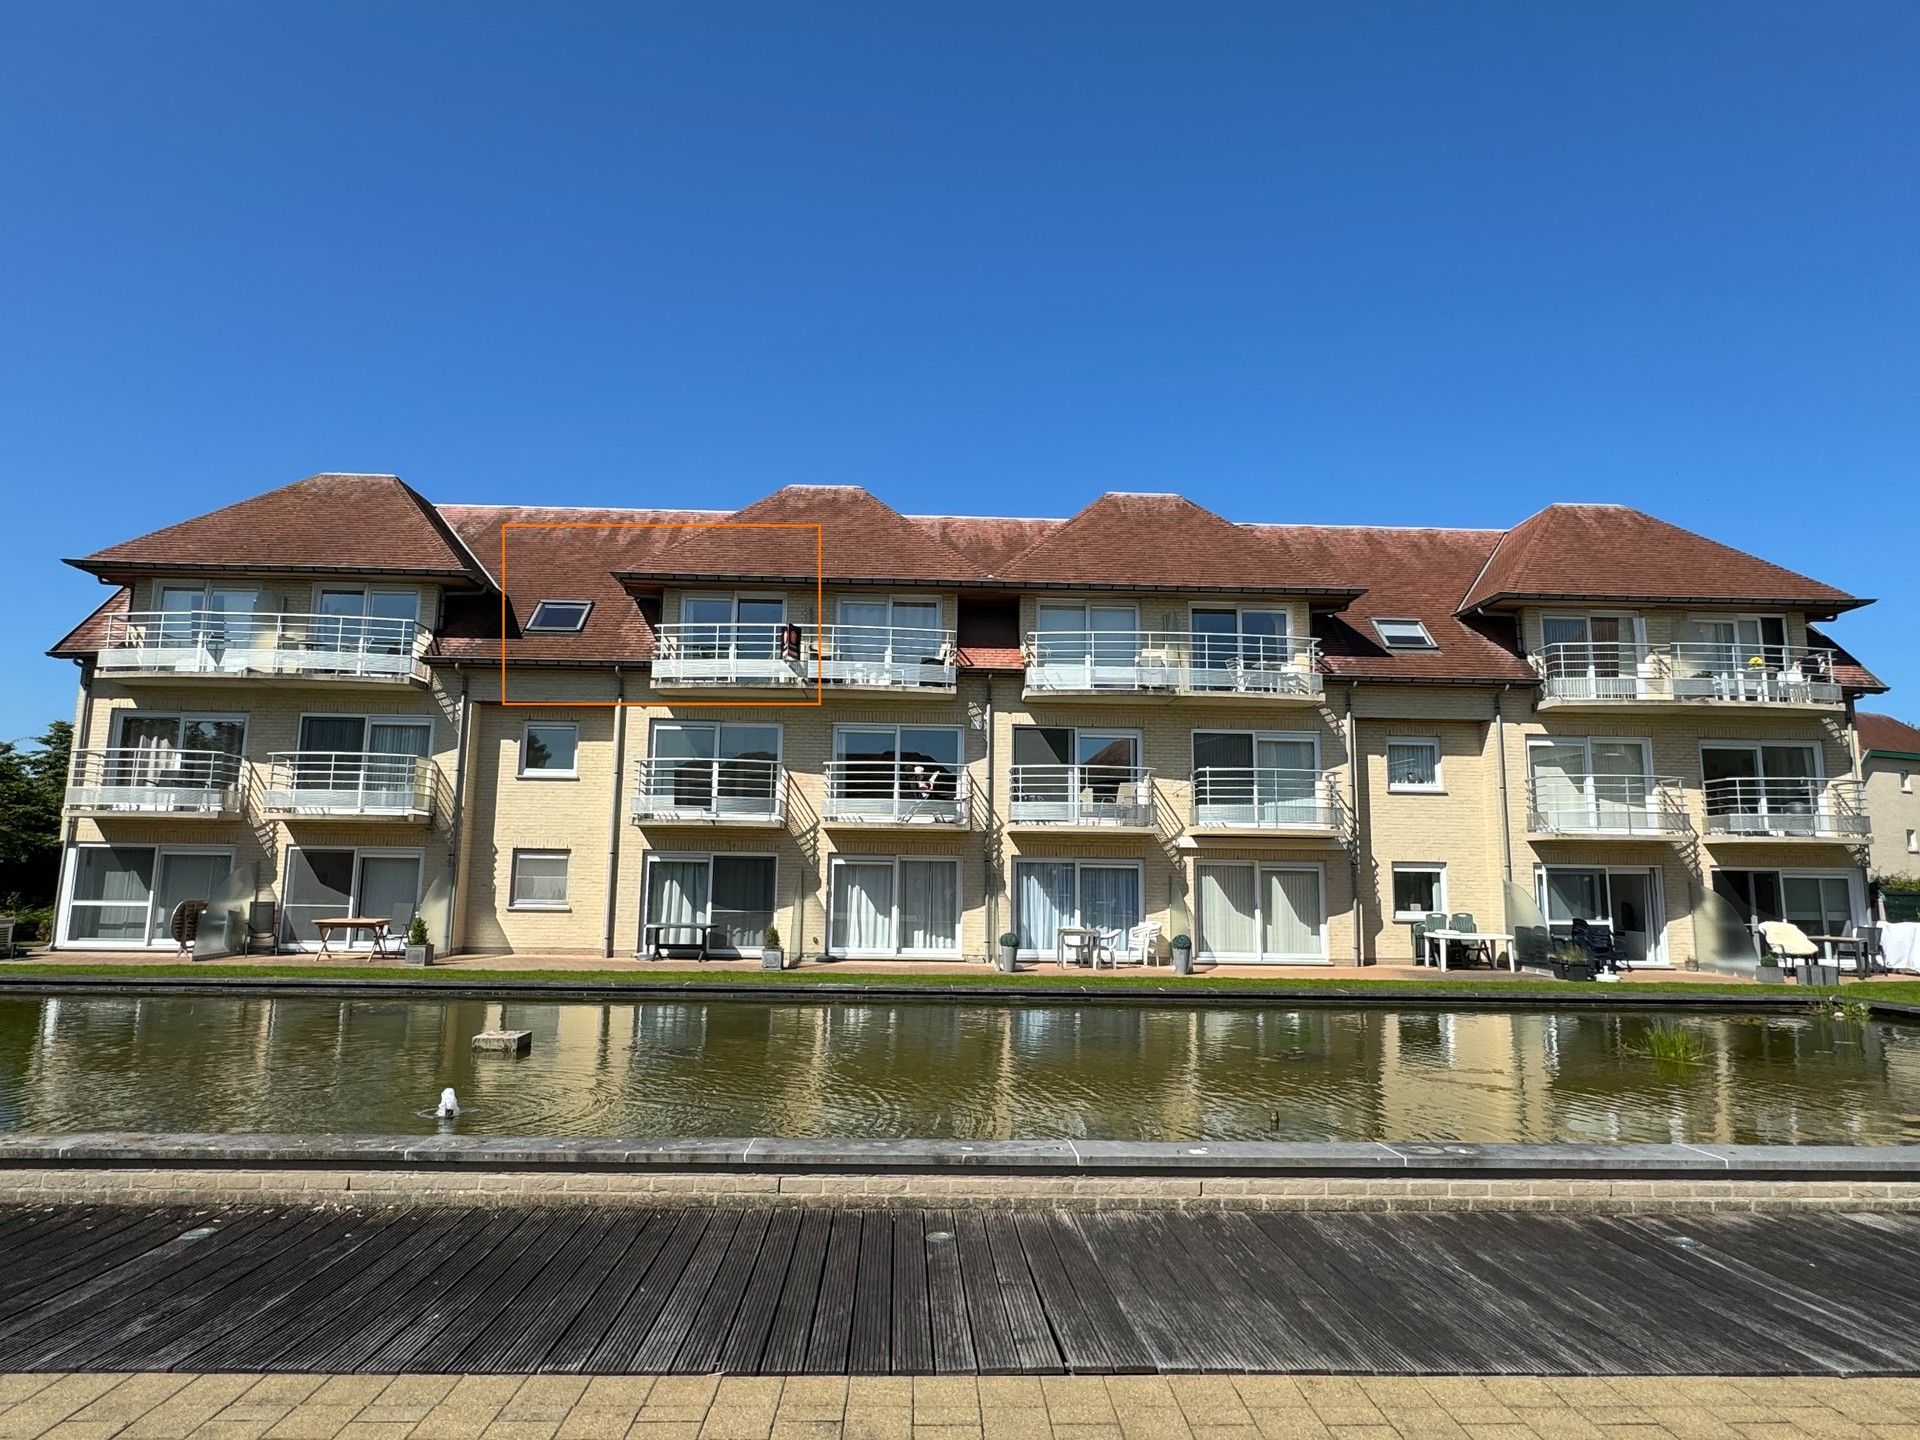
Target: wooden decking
[(795, 1291)]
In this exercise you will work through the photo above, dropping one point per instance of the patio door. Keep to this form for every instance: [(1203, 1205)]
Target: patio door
[(1253, 913), (1602, 650), (740, 627), (1763, 789), (1627, 900), (1591, 784), (1102, 638), (1052, 894), (732, 893), (888, 631), (324, 884), (1245, 778), (124, 896), (1229, 643)]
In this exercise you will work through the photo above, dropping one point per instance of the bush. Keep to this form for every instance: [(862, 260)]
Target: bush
[(1010, 939), (1182, 942), (770, 940), (417, 932), (31, 922)]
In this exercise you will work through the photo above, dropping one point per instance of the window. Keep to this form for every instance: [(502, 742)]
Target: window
[(1413, 765), (714, 768), (885, 631), (1051, 894), (124, 895), (1419, 890), (539, 880), (559, 617), (897, 772), (1261, 912), (1906, 782), (1763, 788), (901, 906), (324, 883), (1060, 773), (209, 614), (1227, 642), (741, 627), (1626, 900), (1260, 778), (728, 898), (1913, 842), (549, 751), (1404, 635)]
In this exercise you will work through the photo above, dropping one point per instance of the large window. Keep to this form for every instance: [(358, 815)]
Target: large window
[(1228, 641), (1413, 766), (1419, 890), (1820, 902), (1060, 773), (1091, 894), (745, 627), (894, 906), (888, 631), (124, 895), (729, 896), (361, 619), (1626, 899), (1590, 784), (1244, 777), (895, 770), (323, 884), (1763, 787), (1104, 637), (177, 751), (1594, 656), (714, 768), (1252, 912), (360, 761)]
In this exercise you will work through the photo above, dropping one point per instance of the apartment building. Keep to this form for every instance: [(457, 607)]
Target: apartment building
[(1890, 775), (563, 730)]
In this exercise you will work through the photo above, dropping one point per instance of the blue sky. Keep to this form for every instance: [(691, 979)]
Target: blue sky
[(1395, 263)]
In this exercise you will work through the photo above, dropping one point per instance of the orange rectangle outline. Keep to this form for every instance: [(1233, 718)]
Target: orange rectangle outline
[(819, 606)]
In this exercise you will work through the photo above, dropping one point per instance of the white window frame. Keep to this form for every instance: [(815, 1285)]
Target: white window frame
[(366, 593), (526, 730), (534, 627), (707, 857), (1079, 862), (1261, 868), (1420, 867), (1439, 785), (156, 934), (1424, 642), (1906, 782), (360, 853), (515, 903), (898, 952), (1656, 895), (1913, 841)]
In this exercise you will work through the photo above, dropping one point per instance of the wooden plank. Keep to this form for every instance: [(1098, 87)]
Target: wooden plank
[(990, 1332), (714, 1318), (1332, 1340), (614, 1352), (564, 1304), (1189, 1302), (947, 1308), (135, 1235), (548, 1275), (490, 1298), (1036, 1350), (785, 1352), (827, 1346), (911, 1345), (753, 1322), (869, 1347), (662, 1342), (1085, 1332)]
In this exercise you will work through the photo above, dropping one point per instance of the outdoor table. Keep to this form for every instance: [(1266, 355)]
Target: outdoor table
[(1836, 946), (655, 943), (375, 926), (1083, 940), (1445, 939)]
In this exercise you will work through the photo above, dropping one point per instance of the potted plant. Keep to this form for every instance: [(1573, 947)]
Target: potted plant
[(772, 957), (419, 949), (1009, 952), (1182, 955)]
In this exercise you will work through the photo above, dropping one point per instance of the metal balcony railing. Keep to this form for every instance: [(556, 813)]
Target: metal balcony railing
[(153, 780), (1572, 803), (1245, 797), (1787, 809), (1623, 670), (899, 792), (1119, 795), (348, 783), (218, 642), (743, 791), (1177, 662), (883, 657)]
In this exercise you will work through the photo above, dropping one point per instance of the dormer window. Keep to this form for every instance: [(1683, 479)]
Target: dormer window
[(1404, 635), (559, 617)]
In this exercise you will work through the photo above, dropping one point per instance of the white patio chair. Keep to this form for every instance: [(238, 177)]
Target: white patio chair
[(1132, 947)]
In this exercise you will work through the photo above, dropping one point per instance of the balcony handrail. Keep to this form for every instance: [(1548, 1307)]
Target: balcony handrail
[(1589, 802), (348, 781), (1730, 657), (1266, 797), (767, 634), (1178, 647), (1581, 657), (1081, 794), (150, 628), (709, 786), (158, 767), (1787, 805)]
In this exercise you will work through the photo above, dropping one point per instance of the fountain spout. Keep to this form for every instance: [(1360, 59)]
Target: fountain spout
[(449, 1104)]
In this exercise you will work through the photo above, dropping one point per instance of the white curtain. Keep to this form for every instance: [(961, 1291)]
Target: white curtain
[(862, 906), (1044, 890), (1292, 913), (1226, 910), (390, 888), (676, 892), (929, 905), (1109, 897)]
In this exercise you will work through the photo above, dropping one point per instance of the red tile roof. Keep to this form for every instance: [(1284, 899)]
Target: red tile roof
[(1883, 732), (87, 637), (366, 524), (1152, 542), (1616, 554)]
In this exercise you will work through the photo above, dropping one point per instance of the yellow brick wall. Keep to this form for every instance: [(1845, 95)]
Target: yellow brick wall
[(1894, 812)]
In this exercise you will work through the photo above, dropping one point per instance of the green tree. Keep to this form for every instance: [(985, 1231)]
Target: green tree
[(33, 782)]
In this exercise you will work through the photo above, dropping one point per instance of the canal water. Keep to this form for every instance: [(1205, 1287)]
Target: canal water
[(973, 1071)]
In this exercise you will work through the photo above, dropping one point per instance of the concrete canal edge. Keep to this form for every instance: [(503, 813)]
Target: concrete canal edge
[(948, 1174)]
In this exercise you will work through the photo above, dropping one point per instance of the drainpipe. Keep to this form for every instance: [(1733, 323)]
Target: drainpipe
[(1362, 831), (461, 739), (1506, 812), (613, 814), (989, 850)]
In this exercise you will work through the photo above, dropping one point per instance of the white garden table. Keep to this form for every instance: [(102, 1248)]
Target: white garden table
[(1442, 941)]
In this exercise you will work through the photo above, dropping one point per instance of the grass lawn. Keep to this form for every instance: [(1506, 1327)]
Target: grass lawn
[(1041, 980)]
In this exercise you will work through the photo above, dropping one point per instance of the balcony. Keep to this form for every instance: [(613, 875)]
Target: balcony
[(348, 785), (897, 659), (712, 792), (1605, 807), (171, 644), (894, 792), (1786, 809), (1615, 675), (147, 781), (1103, 797), (1171, 662), (1253, 801)]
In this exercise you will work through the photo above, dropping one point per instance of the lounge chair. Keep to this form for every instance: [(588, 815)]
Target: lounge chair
[(1476, 951), (1787, 944)]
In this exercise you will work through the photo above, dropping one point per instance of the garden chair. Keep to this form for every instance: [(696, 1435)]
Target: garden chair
[(1597, 940), (6, 937), (1480, 951), (1787, 944), (1420, 928), (1132, 947)]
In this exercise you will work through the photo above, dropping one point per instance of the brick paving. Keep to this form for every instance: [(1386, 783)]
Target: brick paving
[(1140, 1407)]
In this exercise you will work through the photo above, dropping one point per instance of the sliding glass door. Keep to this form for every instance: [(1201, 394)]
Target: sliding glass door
[(884, 907), (124, 896), (732, 896), (1262, 913), (337, 884), (1625, 899), (1052, 895)]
